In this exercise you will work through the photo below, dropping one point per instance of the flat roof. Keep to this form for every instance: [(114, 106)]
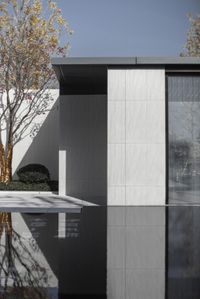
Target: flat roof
[(125, 60), (88, 75)]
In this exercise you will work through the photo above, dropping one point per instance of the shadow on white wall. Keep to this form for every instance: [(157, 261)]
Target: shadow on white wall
[(43, 148)]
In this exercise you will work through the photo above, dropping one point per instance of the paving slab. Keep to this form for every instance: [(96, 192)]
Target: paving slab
[(40, 202)]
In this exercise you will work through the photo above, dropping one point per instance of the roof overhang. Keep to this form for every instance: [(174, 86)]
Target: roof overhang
[(79, 75)]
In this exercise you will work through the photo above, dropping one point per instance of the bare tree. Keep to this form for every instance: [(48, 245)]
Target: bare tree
[(29, 36)]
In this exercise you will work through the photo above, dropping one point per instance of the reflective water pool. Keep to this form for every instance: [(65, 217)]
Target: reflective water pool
[(114, 253)]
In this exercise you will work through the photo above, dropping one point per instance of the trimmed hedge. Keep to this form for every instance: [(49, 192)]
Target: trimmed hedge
[(33, 173), (21, 186), (32, 177)]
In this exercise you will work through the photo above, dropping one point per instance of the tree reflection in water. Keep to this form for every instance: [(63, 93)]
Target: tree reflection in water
[(21, 275)]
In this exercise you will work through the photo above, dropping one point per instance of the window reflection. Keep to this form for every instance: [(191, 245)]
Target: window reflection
[(184, 139)]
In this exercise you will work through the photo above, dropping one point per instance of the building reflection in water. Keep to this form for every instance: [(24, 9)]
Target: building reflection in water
[(43, 258), (183, 275), (113, 253), (24, 270), (136, 253)]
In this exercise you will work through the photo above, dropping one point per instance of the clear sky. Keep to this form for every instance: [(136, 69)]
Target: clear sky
[(128, 27)]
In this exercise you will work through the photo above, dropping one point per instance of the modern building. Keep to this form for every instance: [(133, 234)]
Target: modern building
[(129, 129), (129, 141), (130, 136)]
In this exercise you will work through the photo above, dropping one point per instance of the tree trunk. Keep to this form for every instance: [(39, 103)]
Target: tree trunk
[(6, 163), (2, 162), (5, 223)]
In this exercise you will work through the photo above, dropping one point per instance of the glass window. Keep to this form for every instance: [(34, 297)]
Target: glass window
[(184, 138)]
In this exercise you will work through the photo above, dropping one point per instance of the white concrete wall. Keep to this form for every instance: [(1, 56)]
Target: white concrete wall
[(83, 147), (136, 137), (43, 148)]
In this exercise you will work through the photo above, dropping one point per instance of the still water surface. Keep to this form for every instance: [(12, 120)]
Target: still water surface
[(113, 253)]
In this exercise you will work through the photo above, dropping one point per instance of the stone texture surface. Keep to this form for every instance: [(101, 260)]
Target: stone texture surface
[(136, 136)]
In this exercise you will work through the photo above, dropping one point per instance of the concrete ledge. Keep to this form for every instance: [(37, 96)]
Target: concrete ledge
[(43, 202), (28, 192)]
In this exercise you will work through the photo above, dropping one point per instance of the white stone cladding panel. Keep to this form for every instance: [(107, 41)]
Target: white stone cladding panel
[(136, 124), (116, 190), (145, 85), (116, 170), (155, 122), (116, 85), (117, 195), (116, 122)]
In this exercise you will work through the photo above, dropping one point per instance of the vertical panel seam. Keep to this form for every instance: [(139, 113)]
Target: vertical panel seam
[(125, 139), (125, 282)]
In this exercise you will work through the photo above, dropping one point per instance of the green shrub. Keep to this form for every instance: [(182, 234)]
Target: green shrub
[(20, 186), (33, 173)]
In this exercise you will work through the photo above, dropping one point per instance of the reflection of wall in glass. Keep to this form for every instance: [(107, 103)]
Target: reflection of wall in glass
[(184, 138)]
